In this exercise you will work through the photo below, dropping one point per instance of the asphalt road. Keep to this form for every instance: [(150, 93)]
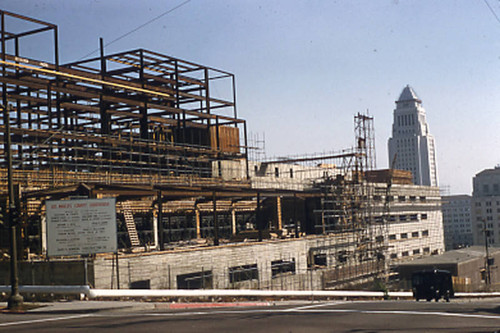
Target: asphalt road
[(364, 317)]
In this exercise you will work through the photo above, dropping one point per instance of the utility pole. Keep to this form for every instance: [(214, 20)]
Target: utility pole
[(15, 300)]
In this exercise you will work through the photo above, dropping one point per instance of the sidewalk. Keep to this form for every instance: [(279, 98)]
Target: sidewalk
[(67, 307), (82, 306)]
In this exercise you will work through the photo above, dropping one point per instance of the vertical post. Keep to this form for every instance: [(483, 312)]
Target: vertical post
[(160, 221), (85, 273), (311, 277), (235, 113), (156, 237), (43, 228), (233, 220), (258, 218), (18, 110), (56, 49), (219, 164), (296, 222), (112, 272), (143, 109), (102, 103), (246, 149), (278, 213), (207, 93), (216, 223), (15, 300), (117, 272), (198, 223), (169, 228)]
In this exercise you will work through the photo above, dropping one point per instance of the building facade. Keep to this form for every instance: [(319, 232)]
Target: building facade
[(415, 223), (486, 207), (411, 146), (457, 221)]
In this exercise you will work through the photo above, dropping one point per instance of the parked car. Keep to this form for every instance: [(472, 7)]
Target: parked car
[(432, 284)]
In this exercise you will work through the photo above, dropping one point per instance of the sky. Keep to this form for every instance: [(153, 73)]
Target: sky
[(305, 68)]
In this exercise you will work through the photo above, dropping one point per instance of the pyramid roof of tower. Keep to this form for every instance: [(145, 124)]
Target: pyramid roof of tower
[(408, 94)]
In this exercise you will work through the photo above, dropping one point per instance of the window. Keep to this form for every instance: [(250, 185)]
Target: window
[(416, 251), (276, 172), (414, 217), (198, 280), (486, 188), (282, 266), (425, 233), (377, 198), (403, 217), (319, 259), (342, 257), (423, 216), (405, 254), (291, 173), (379, 239), (427, 250), (414, 234), (404, 235), (141, 284), (401, 198), (243, 273), (413, 198), (422, 198), (392, 237), (394, 255)]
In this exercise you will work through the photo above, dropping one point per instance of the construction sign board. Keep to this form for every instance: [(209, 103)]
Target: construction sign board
[(79, 227)]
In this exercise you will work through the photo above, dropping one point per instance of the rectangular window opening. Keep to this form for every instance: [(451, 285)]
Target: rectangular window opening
[(243, 273), (282, 266)]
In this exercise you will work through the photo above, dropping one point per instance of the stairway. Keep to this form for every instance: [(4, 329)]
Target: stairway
[(130, 223)]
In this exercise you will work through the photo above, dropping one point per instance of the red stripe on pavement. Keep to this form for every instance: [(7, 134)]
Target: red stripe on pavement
[(206, 305)]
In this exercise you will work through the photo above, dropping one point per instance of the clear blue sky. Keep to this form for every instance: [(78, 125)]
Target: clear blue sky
[(304, 68)]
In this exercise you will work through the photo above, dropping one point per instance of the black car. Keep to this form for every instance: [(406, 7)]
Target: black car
[(432, 284)]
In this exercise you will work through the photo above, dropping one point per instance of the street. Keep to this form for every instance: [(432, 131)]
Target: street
[(335, 316)]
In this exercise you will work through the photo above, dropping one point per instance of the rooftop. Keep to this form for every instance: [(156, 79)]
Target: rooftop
[(454, 256), (408, 94)]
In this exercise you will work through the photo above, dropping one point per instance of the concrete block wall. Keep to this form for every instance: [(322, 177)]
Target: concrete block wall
[(162, 268)]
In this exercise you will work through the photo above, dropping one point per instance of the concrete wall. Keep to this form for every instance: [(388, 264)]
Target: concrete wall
[(163, 268), (50, 273)]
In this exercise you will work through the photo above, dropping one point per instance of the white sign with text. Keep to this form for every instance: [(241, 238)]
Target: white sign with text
[(86, 226)]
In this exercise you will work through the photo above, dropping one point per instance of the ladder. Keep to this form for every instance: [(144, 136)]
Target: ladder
[(130, 223)]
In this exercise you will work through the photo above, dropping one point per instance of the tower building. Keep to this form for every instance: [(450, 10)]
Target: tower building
[(411, 146)]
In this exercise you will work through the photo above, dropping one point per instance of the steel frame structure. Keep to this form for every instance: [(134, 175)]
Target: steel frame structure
[(132, 113)]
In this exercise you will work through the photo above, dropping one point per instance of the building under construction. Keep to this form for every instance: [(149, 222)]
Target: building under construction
[(193, 210)]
